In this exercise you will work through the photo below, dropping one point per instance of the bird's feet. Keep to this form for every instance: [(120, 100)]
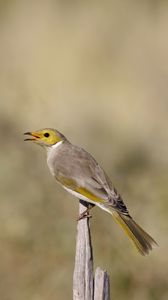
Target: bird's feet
[(84, 215)]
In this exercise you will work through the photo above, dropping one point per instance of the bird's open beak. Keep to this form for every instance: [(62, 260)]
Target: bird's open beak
[(35, 136)]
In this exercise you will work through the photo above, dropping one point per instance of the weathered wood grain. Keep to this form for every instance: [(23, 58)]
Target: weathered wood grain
[(83, 271), (102, 285), (84, 287)]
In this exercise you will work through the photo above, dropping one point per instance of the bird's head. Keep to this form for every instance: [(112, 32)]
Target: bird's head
[(45, 137)]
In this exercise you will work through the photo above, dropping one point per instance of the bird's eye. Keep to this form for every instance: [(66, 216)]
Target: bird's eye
[(46, 134)]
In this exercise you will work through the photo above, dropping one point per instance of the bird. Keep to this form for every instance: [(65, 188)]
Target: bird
[(79, 173)]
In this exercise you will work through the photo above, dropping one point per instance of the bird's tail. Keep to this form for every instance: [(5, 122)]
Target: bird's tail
[(141, 239)]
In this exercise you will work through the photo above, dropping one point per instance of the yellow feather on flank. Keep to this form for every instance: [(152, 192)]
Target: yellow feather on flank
[(141, 239), (89, 195)]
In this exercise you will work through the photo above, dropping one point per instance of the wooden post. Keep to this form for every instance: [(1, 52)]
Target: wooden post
[(83, 278), (102, 285), (83, 272)]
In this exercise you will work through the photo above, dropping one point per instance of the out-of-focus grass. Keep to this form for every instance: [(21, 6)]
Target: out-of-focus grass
[(98, 73)]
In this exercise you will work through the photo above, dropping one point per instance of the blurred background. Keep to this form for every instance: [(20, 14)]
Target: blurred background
[(98, 72)]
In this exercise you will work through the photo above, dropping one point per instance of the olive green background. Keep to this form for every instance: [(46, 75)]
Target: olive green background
[(98, 72)]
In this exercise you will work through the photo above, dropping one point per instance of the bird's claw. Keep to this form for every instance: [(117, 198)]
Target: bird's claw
[(84, 215)]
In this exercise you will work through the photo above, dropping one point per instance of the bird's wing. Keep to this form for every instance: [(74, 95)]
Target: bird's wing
[(87, 178), (114, 198), (88, 188)]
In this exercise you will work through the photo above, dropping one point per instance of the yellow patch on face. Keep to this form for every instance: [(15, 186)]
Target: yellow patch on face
[(46, 137), (49, 136)]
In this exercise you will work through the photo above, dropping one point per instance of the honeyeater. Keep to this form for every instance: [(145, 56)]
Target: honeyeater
[(80, 174)]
